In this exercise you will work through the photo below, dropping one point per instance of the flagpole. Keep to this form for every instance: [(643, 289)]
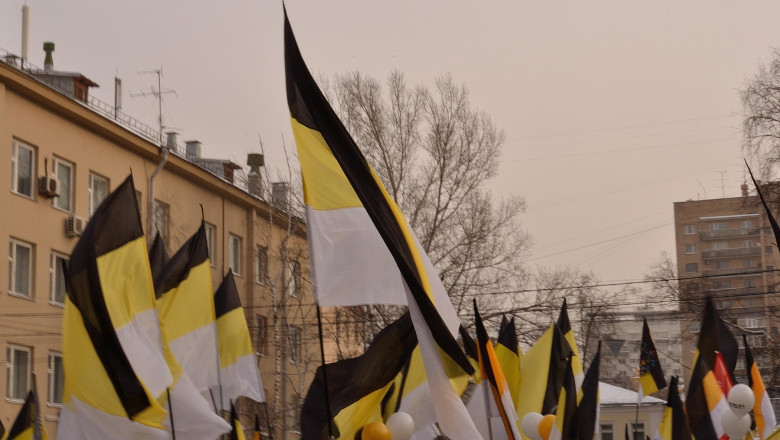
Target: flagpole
[(268, 421), (636, 419), (170, 413), (404, 375), (324, 374), (486, 389)]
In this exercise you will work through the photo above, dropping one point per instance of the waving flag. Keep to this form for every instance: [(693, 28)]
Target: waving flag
[(353, 225), (651, 377), (763, 413), (114, 367), (508, 355), (565, 326), (501, 400), (27, 425), (674, 423), (158, 256), (239, 375), (588, 401), (542, 371), (565, 426), (705, 402)]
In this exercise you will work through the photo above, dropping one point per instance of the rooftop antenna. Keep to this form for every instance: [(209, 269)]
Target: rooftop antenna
[(722, 183), (157, 93)]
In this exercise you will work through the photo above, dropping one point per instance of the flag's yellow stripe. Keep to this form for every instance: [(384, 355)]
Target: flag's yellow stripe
[(576, 362), (665, 428), (534, 368), (510, 366), (648, 383), (233, 337), (353, 418), (120, 271), (319, 165), (192, 309)]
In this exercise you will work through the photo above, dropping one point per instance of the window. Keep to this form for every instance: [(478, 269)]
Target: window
[(689, 229), (692, 287), (747, 243), (749, 263), (607, 432), (744, 224), (719, 226), (690, 249), (63, 171), (691, 267), (294, 333), (261, 264), (57, 279), (750, 283), (767, 230), (17, 367), (235, 254), (294, 286), (261, 346), (22, 171), (694, 327), (20, 261), (638, 430), (160, 220), (751, 323), (98, 191), (211, 232), (768, 250), (721, 265), (56, 379), (721, 285), (719, 245)]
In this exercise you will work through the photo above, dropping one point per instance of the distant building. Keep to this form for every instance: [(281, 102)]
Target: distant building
[(726, 249), (619, 410), (620, 347)]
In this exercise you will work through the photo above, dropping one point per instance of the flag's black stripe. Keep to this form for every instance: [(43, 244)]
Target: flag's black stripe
[(772, 221), (226, 298), (469, 346), (158, 256), (25, 419), (309, 107), (507, 336), (585, 422), (560, 353), (563, 319), (748, 362), (680, 428), (350, 380), (696, 403), (192, 254), (569, 424), (115, 223), (715, 336)]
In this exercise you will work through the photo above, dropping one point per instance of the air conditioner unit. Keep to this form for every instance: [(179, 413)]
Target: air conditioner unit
[(74, 226), (48, 186)]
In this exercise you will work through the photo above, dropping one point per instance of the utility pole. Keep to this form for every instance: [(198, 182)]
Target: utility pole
[(722, 183)]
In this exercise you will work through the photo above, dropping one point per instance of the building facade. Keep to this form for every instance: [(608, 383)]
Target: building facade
[(726, 250), (62, 152)]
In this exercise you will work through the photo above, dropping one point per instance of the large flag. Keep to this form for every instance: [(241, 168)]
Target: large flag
[(112, 357), (588, 400), (565, 326), (705, 402), (715, 337), (239, 375), (356, 387), (508, 355), (185, 303), (674, 423), (763, 413), (651, 377), (543, 369), (27, 425), (565, 425), (500, 398), (353, 224)]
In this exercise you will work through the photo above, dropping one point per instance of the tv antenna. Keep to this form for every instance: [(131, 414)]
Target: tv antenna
[(157, 93), (722, 183)]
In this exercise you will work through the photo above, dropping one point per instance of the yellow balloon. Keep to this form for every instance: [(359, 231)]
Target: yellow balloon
[(376, 431), (545, 425)]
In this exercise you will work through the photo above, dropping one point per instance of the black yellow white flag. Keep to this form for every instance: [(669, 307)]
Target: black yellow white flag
[(651, 377), (353, 224), (763, 412), (27, 425)]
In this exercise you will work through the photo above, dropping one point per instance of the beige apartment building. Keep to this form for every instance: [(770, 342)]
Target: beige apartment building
[(62, 152), (726, 249)]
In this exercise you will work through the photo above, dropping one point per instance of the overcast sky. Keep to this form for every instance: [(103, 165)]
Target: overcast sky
[(612, 110)]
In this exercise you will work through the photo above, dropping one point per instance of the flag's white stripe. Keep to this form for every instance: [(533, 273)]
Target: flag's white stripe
[(193, 417), (716, 415), (353, 266), (140, 340), (240, 379), (196, 352), (509, 408), (451, 413), (769, 416), (88, 423)]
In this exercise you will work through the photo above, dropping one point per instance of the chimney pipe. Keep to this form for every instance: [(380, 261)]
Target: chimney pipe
[(171, 140), (25, 30), (744, 189), (280, 194), (117, 97), (48, 62), (254, 179), (193, 150)]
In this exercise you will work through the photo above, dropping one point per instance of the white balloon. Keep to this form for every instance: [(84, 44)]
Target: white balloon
[(735, 426), (741, 399), (530, 425), (401, 426)]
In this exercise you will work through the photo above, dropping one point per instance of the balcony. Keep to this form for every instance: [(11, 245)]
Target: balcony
[(736, 271), (729, 233), (731, 253)]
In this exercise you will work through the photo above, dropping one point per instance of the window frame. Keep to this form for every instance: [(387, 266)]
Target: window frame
[(211, 240), (15, 169), (690, 249), (294, 336), (689, 266), (607, 428), (261, 336), (235, 243), (55, 201), (294, 283), (10, 375), (164, 209), (54, 265), (52, 379), (689, 229), (91, 205), (12, 272), (261, 264)]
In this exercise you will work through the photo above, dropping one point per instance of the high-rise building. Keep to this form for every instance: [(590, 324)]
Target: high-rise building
[(62, 152), (726, 250)]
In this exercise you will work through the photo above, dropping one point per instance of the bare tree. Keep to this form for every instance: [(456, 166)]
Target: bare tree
[(435, 155), (761, 106)]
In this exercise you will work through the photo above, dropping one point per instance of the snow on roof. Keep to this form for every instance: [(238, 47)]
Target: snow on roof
[(612, 395)]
